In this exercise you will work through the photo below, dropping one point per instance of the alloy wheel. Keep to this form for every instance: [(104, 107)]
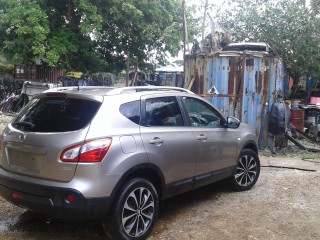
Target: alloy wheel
[(246, 171), (138, 212)]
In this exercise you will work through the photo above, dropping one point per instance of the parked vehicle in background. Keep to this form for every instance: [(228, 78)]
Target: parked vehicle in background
[(170, 76), (15, 102), (114, 153), (80, 79)]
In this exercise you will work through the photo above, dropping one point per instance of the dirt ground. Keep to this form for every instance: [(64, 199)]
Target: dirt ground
[(284, 204)]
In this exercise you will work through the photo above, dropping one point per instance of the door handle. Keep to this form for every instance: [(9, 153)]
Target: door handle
[(202, 137), (156, 140)]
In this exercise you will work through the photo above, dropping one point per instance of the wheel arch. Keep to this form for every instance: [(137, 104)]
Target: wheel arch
[(147, 171), (250, 145)]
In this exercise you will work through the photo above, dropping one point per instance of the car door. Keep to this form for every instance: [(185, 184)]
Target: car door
[(169, 143), (216, 144)]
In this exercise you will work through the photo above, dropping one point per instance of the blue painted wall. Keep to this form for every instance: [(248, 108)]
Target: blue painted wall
[(247, 84)]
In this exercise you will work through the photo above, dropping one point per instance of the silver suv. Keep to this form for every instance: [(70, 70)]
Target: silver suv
[(113, 153)]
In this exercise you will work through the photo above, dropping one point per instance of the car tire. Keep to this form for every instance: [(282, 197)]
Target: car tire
[(134, 211), (247, 172)]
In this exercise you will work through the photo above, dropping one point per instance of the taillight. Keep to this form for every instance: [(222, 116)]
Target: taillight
[(92, 151), (71, 154)]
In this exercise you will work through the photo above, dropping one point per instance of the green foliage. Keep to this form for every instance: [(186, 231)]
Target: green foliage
[(69, 43), (91, 21), (143, 27), (289, 27), (25, 26), (90, 35), (179, 62), (6, 68)]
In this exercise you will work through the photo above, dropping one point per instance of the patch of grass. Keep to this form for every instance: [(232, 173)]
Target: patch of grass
[(310, 155), (300, 154)]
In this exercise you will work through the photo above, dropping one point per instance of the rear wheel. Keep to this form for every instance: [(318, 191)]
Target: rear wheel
[(247, 172), (134, 211)]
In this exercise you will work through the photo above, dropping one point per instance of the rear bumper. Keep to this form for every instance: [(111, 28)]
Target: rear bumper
[(51, 200)]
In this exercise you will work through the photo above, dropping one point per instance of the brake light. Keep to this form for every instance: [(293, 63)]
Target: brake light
[(56, 94), (92, 151)]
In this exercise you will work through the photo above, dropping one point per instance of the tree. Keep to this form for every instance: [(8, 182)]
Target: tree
[(24, 29), (90, 35), (289, 27), (70, 43), (145, 28)]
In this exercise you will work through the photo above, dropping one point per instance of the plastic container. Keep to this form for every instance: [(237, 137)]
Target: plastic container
[(297, 118), (314, 100), (295, 104)]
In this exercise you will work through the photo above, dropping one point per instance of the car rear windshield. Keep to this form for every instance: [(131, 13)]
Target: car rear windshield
[(56, 114)]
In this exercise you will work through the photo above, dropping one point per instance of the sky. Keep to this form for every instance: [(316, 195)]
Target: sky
[(218, 3)]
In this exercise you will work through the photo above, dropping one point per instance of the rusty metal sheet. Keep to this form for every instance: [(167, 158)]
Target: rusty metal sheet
[(247, 85), (37, 73), (25, 72)]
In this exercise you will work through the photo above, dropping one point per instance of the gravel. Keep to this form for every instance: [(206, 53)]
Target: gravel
[(284, 204)]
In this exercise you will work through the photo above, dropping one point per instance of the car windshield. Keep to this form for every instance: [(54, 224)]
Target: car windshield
[(56, 114)]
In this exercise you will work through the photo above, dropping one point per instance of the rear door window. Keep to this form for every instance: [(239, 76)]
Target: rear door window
[(163, 111), (56, 114)]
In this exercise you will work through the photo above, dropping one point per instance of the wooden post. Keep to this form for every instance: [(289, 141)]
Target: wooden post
[(127, 68), (136, 65), (191, 83), (135, 72)]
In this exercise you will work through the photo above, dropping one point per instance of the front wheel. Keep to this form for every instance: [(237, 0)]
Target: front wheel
[(247, 172), (134, 211)]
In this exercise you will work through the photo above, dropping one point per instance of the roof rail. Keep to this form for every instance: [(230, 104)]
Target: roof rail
[(66, 88), (148, 88)]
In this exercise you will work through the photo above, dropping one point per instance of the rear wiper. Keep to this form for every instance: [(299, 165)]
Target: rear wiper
[(24, 124)]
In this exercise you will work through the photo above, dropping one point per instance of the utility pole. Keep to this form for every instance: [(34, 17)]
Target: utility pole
[(184, 36), (204, 19)]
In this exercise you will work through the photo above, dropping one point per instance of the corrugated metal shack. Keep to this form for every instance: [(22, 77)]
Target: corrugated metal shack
[(242, 84)]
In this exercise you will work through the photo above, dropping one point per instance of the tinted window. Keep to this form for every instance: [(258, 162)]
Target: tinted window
[(56, 114), (131, 111), (202, 114), (163, 111)]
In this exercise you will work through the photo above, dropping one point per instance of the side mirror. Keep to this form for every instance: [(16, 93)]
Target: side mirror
[(233, 122)]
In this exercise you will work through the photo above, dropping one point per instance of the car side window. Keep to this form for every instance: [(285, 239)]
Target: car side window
[(131, 110), (202, 114), (163, 111)]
